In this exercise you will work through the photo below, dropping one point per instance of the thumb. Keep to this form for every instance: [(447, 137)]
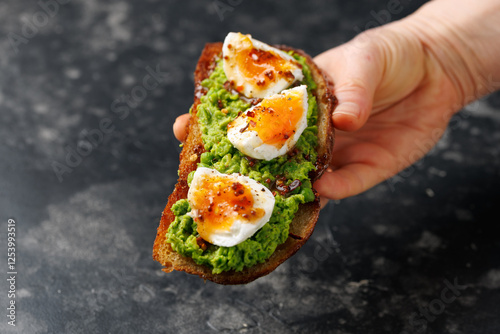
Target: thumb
[(356, 73)]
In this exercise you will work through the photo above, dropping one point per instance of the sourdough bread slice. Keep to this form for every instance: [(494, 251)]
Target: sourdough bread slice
[(305, 219)]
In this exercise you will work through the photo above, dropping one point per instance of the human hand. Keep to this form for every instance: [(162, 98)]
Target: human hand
[(387, 104), (398, 86), (395, 102)]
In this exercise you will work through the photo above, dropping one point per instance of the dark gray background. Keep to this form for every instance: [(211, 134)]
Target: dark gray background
[(377, 263)]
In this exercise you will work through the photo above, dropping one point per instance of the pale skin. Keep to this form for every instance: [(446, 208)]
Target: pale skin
[(398, 87)]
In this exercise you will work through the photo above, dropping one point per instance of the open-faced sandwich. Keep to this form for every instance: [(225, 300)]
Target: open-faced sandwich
[(260, 134)]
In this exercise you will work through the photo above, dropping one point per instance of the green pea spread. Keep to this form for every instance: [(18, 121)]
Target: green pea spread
[(217, 108)]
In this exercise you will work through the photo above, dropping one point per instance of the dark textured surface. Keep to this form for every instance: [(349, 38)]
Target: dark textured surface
[(377, 263)]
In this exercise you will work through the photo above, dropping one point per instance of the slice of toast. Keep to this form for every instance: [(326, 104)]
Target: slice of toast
[(305, 219)]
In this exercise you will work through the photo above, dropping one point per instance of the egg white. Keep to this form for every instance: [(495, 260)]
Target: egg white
[(241, 229), (248, 141), (233, 72)]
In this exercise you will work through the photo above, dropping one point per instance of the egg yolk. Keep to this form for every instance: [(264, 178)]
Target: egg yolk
[(275, 118), (262, 67), (219, 201)]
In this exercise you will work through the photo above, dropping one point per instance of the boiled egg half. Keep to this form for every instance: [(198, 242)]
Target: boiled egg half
[(257, 69), (228, 208), (272, 127)]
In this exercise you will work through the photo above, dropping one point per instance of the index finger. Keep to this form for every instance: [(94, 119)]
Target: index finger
[(180, 127)]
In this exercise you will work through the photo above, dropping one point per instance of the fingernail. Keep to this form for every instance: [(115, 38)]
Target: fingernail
[(348, 108)]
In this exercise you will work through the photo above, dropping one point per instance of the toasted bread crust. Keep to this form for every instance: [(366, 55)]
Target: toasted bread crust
[(303, 224)]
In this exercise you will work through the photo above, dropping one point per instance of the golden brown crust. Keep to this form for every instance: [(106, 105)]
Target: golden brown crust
[(326, 103), (303, 224)]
